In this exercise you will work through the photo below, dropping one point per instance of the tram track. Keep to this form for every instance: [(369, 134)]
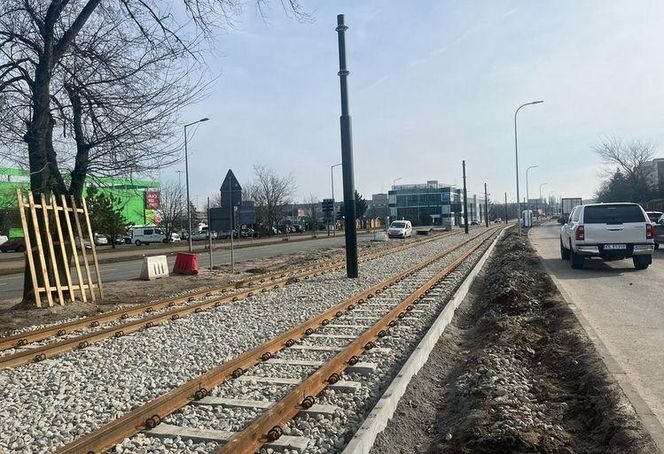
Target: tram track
[(65, 337), (415, 283)]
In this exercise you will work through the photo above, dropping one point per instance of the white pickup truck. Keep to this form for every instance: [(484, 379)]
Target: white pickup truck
[(611, 231)]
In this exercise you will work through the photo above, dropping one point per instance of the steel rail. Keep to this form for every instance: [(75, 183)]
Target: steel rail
[(151, 413), (266, 427), (25, 338), (82, 341)]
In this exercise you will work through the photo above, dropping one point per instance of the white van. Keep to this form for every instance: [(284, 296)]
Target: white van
[(146, 235), (400, 229)]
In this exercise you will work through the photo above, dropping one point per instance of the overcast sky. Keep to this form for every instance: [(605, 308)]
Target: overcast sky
[(432, 83)]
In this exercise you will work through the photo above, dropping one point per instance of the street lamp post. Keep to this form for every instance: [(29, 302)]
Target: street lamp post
[(186, 172), (540, 197), (516, 155), (527, 195), (334, 233)]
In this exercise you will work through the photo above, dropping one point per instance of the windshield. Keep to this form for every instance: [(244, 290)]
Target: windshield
[(613, 214), (654, 215), (398, 225)]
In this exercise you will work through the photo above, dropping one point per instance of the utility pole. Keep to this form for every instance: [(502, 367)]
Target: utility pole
[(486, 206), (506, 208), (347, 155), (465, 198), (516, 157), (209, 233), (231, 218), (334, 232)]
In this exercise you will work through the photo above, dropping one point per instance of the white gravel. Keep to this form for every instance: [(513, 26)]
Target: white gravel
[(44, 405)]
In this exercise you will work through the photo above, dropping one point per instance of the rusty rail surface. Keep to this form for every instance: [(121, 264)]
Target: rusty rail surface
[(267, 427), (151, 413), (261, 284)]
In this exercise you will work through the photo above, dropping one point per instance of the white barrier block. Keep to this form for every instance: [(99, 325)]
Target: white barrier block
[(154, 267), (380, 236)]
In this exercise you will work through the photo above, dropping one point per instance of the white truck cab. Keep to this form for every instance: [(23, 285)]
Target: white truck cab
[(611, 231)]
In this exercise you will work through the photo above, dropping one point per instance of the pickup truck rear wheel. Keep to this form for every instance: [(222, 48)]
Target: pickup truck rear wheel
[(641, 262), (564, 252), (576, 260)]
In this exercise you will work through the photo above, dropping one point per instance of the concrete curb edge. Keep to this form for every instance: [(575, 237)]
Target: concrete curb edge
[(382, 412)]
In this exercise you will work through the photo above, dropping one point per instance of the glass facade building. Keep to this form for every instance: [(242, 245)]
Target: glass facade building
[(432, 203)]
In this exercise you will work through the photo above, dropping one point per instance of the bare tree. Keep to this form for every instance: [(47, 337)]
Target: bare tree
[(629, 157), (626, 170), (172, 208), (91, 85), (271, 193), (315, 212)]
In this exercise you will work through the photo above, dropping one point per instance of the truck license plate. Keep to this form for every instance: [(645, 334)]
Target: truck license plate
[(615, 247)]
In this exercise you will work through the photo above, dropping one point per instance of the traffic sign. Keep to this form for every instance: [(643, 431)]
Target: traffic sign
[(328, 205), (231, 190)]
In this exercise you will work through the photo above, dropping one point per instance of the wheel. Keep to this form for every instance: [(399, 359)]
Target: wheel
[(656, 245), (576, 260), (564, 252), (165, 240), (137, 242), (20, 249), (641, 262)]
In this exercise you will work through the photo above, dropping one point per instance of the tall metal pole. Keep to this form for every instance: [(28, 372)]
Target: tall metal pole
[(209, 233), (232, 224), (465, 199), (186, 172), (516, 155), (506, 208), (347, 155), (486, 206), (527, 196)]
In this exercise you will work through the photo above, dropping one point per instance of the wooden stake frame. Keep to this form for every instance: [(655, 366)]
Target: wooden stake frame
[(43, 264)]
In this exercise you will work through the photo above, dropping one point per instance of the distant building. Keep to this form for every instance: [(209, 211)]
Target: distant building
[(655, 174), (378, 207), (433, 203), (131, 195)]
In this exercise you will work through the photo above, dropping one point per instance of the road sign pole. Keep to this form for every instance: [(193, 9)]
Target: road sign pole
[(347, 156)]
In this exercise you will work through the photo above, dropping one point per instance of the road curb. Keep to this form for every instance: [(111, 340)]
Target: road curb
[(642, 409), (380, 415)]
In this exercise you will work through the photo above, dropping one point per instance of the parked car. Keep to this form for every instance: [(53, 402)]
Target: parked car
[(654, 216), (175, 237), (400, 229), (248, 233), (101, 240), (146, 235), (474, 222), (227, 234), (3, 239), (13, 245), (611, 231), (659, 232)]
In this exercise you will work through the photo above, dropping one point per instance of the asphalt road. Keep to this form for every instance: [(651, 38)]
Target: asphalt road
[(11, 286), (622, 310)]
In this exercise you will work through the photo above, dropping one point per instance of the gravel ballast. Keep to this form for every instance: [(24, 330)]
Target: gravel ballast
[(45, 405)]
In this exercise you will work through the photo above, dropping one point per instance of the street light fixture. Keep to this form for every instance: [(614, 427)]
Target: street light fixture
[(527, 196), (516, 155), (186, 171)]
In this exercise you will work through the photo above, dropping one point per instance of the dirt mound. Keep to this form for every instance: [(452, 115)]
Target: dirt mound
[(531, 380)]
